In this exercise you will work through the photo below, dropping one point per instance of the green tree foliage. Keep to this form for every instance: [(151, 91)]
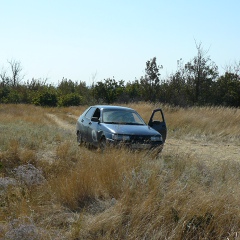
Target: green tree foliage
[(66, 86), (133, 91), (4, 93), (228, 90), (99, 92), (195, 83), (36, 84), (176, 90), (150, 84), (67, 89), (200, 73), (85, 92), (108, 91), (14, 94), (47, 97), (70, 99)]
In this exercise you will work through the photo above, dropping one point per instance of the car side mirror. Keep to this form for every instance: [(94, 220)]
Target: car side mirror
[(95, 119)]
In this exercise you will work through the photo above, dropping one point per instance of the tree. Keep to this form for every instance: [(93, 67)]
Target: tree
[(4, 78), (108, 91), (133, 90), (99, 92), (66, 86), (16, 70), (36, 84), (228, 90), (151, 82), (176, 90), (84, 91), (200, 74)]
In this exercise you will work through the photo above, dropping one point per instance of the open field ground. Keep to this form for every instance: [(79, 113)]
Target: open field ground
[(50, 188)]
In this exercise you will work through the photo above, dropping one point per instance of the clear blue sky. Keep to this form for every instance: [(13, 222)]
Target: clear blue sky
[(98, 39)]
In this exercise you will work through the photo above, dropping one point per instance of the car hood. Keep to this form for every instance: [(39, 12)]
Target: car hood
[(130, 129)]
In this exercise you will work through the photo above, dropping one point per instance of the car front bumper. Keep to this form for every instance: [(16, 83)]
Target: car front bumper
[(135, 145)]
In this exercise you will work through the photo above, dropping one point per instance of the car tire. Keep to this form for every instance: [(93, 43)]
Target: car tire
[(79, 138), (102, 144), (155, 152)]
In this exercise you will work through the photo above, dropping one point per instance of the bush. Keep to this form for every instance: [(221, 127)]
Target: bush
[(71, 99), (4, 92), (46, 98)]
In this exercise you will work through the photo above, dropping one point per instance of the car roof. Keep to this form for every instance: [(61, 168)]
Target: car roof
[(112, 107)]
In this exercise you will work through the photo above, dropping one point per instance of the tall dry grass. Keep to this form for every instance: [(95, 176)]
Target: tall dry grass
[(119, 194), (202, 123), (211, 123)]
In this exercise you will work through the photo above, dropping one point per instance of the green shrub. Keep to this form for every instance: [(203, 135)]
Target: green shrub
[(71, 99), (4, 92), (47, 97)]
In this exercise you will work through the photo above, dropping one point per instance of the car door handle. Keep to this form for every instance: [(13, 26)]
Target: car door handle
[(90, 123), (82, 120)]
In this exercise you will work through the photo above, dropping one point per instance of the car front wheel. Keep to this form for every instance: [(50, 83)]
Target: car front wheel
[(102, 144), (79, 138)]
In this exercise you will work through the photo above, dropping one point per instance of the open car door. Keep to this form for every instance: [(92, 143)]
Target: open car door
[(157, 122)]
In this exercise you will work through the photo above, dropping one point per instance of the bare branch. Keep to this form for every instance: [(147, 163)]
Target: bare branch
[(3, 75), (16, 70)]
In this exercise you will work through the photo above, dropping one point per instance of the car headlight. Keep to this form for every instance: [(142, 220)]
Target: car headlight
[(156, 138), (120, 137)]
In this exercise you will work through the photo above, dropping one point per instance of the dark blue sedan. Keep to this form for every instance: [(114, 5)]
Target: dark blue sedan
[(102, 125)]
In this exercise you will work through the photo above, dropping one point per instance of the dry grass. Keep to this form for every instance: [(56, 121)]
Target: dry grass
[(215, 124), (119, 194)]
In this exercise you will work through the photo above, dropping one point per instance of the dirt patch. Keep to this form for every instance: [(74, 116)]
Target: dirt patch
[(61, 122), (209, 152)]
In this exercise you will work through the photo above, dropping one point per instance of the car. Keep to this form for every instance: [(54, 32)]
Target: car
[(105, 125)]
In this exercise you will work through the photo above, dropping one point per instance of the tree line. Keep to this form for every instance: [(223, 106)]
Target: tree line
[(196, 83)]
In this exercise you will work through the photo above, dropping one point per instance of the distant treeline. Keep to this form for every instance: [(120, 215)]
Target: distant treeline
[(195, 83)]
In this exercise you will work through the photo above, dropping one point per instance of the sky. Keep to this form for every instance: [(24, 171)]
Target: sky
[(92, 40)]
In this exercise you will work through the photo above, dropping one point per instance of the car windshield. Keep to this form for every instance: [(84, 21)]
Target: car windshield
[(116, 116)]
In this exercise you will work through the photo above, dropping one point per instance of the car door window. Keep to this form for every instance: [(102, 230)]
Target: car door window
[(157, 117), (90, 112), (97, 113), (158, 123)]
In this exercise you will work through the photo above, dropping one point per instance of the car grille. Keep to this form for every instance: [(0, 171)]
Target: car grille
[(140, 139)]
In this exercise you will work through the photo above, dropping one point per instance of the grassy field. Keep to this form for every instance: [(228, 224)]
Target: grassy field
[(190, 191)]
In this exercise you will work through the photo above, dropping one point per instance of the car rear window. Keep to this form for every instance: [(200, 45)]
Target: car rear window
[(121, 116)]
